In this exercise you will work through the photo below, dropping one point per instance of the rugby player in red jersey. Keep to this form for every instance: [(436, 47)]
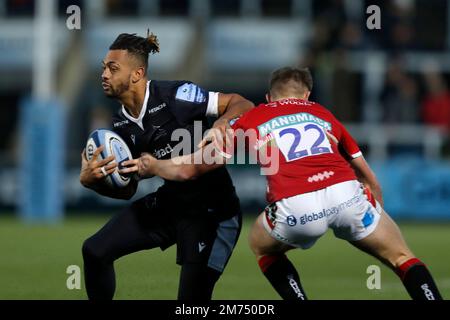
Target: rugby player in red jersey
[(322, 181)]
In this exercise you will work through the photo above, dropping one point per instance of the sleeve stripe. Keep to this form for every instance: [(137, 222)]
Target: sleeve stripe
[(357, 155), (213, 104)]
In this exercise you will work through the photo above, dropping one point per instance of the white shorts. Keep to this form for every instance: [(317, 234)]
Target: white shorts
[(347, 208)]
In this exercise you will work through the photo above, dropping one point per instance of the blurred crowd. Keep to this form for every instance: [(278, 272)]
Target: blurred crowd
[(408, 95)]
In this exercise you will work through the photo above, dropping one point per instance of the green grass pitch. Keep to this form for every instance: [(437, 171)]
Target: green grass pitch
[(34, 260)]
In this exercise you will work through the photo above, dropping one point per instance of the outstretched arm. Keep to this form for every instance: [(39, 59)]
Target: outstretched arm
[(207, 158), (230, 106), (181, 168)]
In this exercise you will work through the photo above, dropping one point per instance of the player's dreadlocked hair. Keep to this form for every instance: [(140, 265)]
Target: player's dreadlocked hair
[(139, 47)]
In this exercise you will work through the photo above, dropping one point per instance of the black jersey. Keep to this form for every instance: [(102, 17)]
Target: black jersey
[(168, 106)]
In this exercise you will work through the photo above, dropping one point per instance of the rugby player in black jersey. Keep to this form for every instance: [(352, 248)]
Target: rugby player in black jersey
[(201, 217)]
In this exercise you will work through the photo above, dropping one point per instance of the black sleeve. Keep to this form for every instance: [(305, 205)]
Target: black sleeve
[(188, 102)]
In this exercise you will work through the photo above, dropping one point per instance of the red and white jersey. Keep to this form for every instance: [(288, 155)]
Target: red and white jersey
[(295, 130)]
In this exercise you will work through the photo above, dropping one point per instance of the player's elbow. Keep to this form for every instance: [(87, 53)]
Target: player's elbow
[(187, 172), (377, 190), (129, 191), (84, 181), (377, 187), (127, 196), (245, 104), (373, 184), (237, 97)]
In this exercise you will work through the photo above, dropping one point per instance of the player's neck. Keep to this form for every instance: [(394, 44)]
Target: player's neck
[(288, 97), (133, 99)]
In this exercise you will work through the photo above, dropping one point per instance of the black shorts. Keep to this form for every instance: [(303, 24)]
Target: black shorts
[(200, 234)]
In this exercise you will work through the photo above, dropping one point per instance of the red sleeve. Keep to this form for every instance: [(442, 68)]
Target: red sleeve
[(238, 123), (347, 144)]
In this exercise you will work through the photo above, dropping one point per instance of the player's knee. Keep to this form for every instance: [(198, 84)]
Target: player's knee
[(255, 236), (253, 243), (197, 282), (259, 249), (91, 251)]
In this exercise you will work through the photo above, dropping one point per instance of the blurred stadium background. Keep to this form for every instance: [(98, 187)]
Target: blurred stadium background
[(389, 86)]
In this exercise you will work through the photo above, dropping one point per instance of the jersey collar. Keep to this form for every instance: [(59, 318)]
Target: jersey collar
[(139, 120)]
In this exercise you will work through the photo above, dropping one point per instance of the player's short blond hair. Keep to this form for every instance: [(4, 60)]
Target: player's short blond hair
[(290, 78)]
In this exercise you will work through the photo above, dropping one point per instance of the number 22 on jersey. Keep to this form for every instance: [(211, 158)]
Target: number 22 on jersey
[(302, 140)]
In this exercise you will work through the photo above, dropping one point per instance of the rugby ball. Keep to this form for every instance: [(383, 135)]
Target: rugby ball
[(113, 145)]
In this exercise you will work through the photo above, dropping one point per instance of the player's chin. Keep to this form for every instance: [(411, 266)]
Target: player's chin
[(109, 93)]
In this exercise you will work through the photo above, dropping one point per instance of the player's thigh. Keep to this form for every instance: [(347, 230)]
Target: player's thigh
[(203, 240), (261, 242), (351, 215), (294, 221), (386, 243), (137, 227)]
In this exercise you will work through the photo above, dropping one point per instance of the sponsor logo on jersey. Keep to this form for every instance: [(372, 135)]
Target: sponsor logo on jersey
[(156, 109), (297, 102), (368, 218), (133, 138), (325, 213), (291, 220), (289, 120), (191, 93), (121, 123), (163, 151)]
